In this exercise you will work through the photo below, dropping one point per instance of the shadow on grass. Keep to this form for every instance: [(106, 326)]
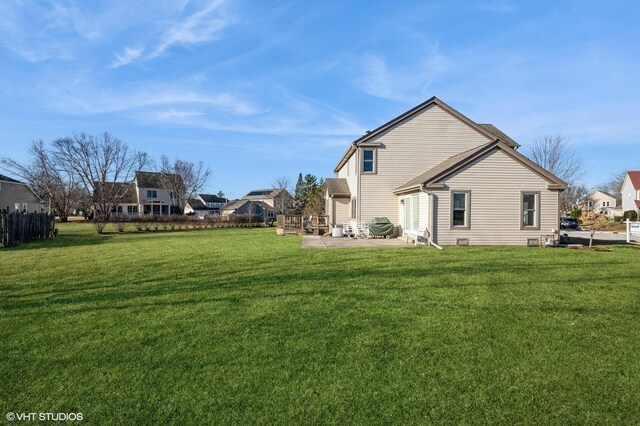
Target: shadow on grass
[(59, 242)]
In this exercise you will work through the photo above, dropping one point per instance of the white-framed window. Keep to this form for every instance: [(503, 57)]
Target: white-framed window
[(411, 212), (17, 206), (24, 207), (460, 209), (132, 209), (152, 193), (369, 160), (530, 210), (119, 209)]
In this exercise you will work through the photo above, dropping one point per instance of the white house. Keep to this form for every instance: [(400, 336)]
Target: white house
[(631, 192), (148, 193), (603, 203), (204, 204), (433, 168)]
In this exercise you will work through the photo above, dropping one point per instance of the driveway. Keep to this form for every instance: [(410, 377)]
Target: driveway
[(600, 237)]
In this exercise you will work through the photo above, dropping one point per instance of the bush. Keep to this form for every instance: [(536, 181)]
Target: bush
[(576, 214), (630, 214), (119, 222), (100, 222)]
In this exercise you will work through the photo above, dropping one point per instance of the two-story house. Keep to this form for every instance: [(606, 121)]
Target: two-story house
[(631, 192), (248, 207), (149, 193), (277, 198), (205, 204), (18, 196), (432, 168), (603, 203)]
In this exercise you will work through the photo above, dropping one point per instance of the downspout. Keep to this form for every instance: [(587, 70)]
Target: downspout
[(429, 216)]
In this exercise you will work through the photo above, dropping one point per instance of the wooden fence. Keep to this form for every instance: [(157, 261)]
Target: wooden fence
[(17, 227)]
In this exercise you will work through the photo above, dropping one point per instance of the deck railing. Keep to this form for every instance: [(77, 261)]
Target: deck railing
[(299, 223)]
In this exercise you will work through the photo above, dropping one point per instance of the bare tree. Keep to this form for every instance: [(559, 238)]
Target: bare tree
[(575, 197), (614, 185), (553, 153), (49, 181), (183, 179), (99, 162), (283, 201)]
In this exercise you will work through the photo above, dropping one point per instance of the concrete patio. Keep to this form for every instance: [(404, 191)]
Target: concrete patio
[(326, 241)]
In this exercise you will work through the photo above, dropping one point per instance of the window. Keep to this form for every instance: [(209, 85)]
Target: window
[(165, 209), (132, 209), (152, 193), (119, 209), (353, 208), (368, 161), (530, 210), (24, 207), (17, 206), (460, 209)]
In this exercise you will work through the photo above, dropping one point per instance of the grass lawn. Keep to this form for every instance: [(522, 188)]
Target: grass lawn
[(231, 326)]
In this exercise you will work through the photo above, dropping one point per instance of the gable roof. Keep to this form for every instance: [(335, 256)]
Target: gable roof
[(433, 176), (634, 177), (210, 198), (265, 193), (130, 194), (488, 130), (196, 204), (337, 187), (237, 204), (4, 178), (154, 179), (603, 193)]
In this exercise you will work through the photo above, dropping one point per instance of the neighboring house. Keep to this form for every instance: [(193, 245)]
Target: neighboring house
[(433, 168), (278, 198), (603, 203), (631, 192), (18, 196), (205, 204), (259, 208), (147, 194)]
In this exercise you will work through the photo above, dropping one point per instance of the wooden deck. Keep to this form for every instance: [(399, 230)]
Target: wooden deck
[(298, 224)]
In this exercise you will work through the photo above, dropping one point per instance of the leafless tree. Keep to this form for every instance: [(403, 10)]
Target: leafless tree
[(49, 181), (553, 153), (283, 201), (183, 179), (575, 197), (614, 185), (98, 162)]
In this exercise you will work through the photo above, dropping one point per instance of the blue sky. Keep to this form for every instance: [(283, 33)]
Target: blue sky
[(263, 89)]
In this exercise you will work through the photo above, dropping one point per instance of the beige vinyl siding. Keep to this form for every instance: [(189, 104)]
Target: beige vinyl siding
[(495, 182), (341, 209), (409, 149), (349, 172)]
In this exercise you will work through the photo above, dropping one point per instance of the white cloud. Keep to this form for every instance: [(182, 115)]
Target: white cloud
[(199, 27), (126, 57)]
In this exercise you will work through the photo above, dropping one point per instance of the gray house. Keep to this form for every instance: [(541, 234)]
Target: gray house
[(434, 171), (259, 208), (17, 196)]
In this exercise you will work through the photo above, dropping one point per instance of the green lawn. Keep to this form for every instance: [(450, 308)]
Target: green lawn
[(240, 326)]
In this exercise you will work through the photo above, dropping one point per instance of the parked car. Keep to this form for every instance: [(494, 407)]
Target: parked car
[(568, 222)]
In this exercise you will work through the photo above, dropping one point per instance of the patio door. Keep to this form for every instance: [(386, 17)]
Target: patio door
[(411, 212)]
